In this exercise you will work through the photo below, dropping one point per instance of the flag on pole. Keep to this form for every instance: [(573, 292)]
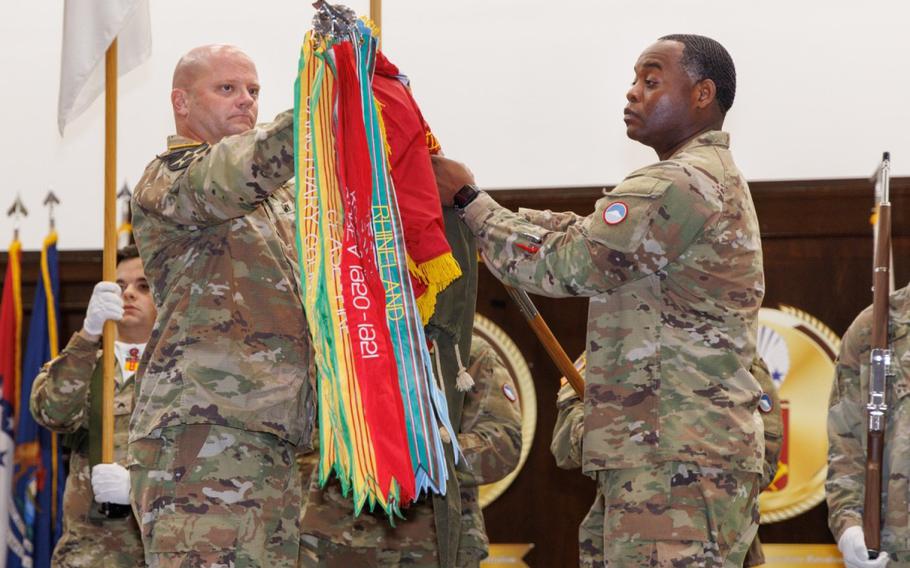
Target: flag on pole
[(10, 377), (89, 27), (35, 513), (381, 409)]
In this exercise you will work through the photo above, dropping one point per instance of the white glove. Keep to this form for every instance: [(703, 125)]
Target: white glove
[(105, 304), (111, 483), (852, 544)]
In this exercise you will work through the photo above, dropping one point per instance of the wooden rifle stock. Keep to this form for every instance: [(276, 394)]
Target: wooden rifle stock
[(549, 341), (879, 369), (873, 500)]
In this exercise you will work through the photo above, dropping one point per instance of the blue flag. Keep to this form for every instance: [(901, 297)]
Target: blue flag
[(35, 513)]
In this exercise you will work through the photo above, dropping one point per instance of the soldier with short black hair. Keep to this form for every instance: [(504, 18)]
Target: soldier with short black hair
[(671, 260), (65, 398)]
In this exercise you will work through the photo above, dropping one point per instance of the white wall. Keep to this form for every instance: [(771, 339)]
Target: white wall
[(529, 93)]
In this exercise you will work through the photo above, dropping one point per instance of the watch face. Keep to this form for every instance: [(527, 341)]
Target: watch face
[(464, 196)]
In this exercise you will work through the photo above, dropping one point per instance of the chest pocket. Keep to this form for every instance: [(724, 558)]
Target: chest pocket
[(621, 218)]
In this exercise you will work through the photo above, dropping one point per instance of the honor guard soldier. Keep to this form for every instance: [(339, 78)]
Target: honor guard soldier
[(847, 441)]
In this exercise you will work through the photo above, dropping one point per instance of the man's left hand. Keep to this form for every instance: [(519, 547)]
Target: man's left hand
[(450, 177)]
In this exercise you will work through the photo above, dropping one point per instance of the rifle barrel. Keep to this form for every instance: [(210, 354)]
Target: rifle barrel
[(879, 363)]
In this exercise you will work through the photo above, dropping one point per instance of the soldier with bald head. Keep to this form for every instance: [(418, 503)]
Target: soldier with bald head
[(224, 398)]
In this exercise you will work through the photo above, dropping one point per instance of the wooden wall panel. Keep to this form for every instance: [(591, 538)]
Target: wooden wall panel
[(818, 256)]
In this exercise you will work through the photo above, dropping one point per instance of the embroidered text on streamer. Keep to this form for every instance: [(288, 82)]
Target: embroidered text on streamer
[(380, 408)]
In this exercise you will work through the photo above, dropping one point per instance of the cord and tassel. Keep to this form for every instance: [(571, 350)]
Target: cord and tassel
[(463, 380)]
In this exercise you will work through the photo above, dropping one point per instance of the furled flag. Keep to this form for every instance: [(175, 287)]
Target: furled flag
[(89, 27), (10, 377), (381, 409), (410, 143), (35, 513)]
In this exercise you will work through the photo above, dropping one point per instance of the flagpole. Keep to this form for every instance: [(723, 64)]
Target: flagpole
[(376, 13), (109, 258)]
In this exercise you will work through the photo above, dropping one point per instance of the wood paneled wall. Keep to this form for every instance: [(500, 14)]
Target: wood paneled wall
[(818, 256)]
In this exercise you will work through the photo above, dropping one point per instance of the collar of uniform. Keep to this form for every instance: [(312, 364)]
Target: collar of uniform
[(709, 138), (177, 142)]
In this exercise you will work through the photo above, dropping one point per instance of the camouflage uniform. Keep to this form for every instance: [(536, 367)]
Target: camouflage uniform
[(225, 370), (61, 401), (772, 419), (491, 441), (847, 432), (671, 260), (569, 429)]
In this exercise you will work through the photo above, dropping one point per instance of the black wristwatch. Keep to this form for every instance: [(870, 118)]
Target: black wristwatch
[(465, 196)]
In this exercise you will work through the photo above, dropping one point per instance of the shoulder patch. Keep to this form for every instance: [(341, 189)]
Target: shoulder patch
[(509, 392), (765, 403), (615, 213), (181, 158)]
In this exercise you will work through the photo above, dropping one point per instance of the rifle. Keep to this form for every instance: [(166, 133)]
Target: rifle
[(549, 341), (880, 368)]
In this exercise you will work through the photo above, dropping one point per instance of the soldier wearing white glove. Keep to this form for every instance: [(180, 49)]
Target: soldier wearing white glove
[(852, 544), (105, 304), (62, 395), (111, 483)]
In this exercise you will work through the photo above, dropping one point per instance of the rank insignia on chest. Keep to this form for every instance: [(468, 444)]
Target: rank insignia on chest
[(616, 213), (132, 362), (183, 157)]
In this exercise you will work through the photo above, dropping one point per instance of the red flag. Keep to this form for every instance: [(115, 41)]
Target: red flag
[(11, 332), (10, 378), (411, 142)]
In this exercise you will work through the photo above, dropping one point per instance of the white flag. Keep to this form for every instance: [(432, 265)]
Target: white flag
[(89, 26)]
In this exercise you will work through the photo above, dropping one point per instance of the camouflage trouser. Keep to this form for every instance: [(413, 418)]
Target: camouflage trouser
[(755, 556), (318, 553), (670, 515), (90, 539), (899, 559), (113, 543), (213, 496)]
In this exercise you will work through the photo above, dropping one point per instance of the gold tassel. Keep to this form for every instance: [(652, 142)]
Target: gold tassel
[(436, 274)]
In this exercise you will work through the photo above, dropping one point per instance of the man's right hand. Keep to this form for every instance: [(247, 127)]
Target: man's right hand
[(852, 544), (450, 177), (105, 304)]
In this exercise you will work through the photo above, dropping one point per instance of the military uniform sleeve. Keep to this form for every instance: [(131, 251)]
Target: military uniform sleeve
[(490, 437), (569, 429), (640, 227), (208, 185), (550, 220), (59, 399), (846, 456)]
